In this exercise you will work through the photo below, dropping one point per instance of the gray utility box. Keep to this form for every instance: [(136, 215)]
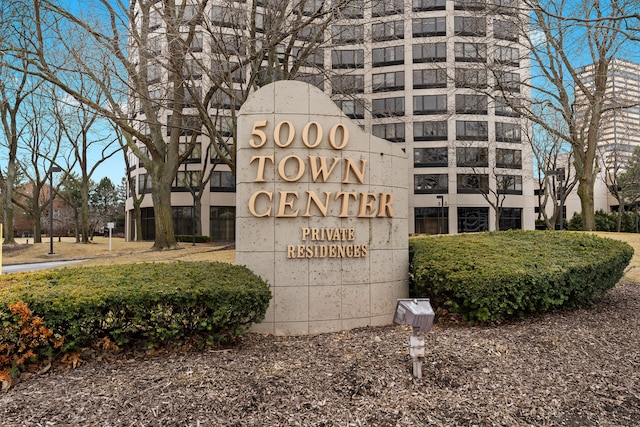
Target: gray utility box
[(416, 312)]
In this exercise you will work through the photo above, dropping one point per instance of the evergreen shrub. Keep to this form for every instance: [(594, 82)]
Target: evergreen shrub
[(189, 238), (153, 304), (500, 275)]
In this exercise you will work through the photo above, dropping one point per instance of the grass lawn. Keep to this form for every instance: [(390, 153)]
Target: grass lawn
[(97, 252)]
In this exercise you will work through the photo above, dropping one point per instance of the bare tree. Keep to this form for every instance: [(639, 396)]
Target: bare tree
[(559, 35), (88, 142), (15, 87), (126, 49)]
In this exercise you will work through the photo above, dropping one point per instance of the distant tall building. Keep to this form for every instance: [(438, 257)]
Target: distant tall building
[(619, 132), (436, 77)]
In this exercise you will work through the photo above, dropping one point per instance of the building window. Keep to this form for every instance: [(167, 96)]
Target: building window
[(222, 181), (505, 30), (470, 52), (430, 131), (431, 157), (507, 55), (229, 99), (430, 78), (347, 83), (473, 220), (429, 52), (347, 34), (472, 156), (390, 30), (437, 183), (226, 16), (509, 184), (188, 13), (432, 220), (508, 82), (511, 219), (227, 71), (509, 159), (347, 58), (228, 44), (469, 26), (430, 104), (196, 153), (508, 132), (311, 32), (182, 220), (503, 107), (473, 183), (154, 73), (316, 80), (385, 82), (191, 123), (422, 5), (469, 4), (393, 132), (144, 184), (429, 27), (506, 7), (309, 7), (473, 78), (222, 223), (310, 57), (387, 7), (471, 104), (353, 108), (186, 180), (391, 55), (352, 9), (468, 130), (388, 107)]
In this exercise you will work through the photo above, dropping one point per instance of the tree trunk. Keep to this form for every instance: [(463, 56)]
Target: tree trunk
[(162, 212), (585, 191), (7, 204)]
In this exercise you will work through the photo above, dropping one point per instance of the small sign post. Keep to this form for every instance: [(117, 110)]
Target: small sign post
[(110, 226)]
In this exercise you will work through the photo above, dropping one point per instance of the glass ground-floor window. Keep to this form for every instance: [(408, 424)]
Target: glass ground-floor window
[(473, 219), (432, 220), (148, 224), (182, 220), (222, 223), (511, 219)]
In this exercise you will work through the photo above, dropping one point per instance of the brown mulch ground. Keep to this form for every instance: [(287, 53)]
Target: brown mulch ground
[(577, 368)]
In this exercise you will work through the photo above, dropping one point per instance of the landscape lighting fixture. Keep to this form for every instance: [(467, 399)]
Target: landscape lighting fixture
[(417, 313)]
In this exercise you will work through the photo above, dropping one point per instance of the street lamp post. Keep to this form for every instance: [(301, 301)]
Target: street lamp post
[(441, 216), (51, 171)]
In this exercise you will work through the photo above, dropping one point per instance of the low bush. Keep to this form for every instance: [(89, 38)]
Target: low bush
[(498, 275), (606, 221), (152, 304), (189, 238), (24, 338)]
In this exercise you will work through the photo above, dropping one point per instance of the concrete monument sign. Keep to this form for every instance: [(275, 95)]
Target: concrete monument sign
[(321, 212)]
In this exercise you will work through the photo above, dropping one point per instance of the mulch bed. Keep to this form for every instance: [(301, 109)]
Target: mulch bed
[(569, 368)]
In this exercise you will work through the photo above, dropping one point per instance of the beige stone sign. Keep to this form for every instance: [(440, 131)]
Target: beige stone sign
[(321, 211)]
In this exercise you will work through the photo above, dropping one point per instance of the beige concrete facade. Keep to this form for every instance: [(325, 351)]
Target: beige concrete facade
[(333, 246)]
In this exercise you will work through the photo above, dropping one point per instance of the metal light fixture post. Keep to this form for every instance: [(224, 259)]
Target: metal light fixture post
[(51, 171), (441, 216)]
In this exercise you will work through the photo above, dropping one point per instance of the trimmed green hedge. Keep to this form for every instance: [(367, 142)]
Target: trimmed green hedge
[(499, 275), (189, 238), (153, 304)]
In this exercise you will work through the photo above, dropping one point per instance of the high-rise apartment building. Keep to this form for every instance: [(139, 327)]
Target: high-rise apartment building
[(619, 133), (434, 76)]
